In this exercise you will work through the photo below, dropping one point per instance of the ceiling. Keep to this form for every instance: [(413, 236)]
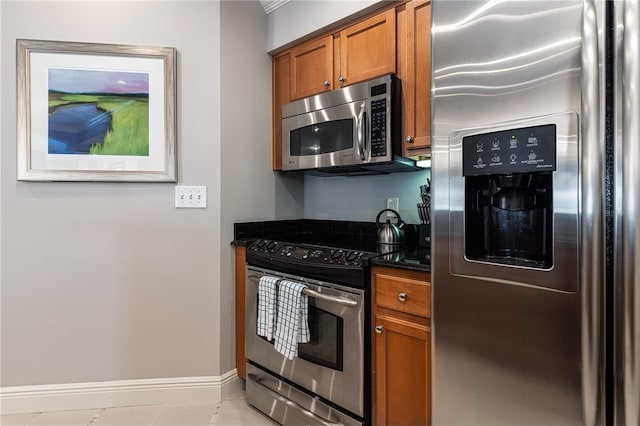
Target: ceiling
[(271, 5)]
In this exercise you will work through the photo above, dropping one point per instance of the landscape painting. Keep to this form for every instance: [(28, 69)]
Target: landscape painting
[(98, 112)]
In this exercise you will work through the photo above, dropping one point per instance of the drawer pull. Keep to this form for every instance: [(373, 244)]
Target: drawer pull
[(402, 297), (379, 329)]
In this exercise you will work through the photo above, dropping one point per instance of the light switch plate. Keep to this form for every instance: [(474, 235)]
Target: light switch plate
[(191, 197)]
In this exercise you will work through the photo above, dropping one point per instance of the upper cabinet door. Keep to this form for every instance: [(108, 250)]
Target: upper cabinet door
[(368, 49), (416, 78), (281, 96), (311, 67)]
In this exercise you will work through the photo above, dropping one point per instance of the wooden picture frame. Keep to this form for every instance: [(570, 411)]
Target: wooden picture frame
[(95, 112)]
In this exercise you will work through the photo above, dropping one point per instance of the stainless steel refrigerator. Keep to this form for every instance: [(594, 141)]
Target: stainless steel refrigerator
[(536, 201)]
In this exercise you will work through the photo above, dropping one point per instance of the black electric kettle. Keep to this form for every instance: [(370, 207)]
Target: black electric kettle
[(390, 236)]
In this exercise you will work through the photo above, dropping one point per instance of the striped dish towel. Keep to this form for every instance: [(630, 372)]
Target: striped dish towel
[(292, 311), (266, 306)]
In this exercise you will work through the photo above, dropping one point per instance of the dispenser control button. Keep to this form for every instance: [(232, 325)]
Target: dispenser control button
[(508, 151)]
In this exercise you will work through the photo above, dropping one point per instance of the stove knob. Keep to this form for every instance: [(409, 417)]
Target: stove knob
[(337, 255), (352, 256), (260, 243), (271, 245)]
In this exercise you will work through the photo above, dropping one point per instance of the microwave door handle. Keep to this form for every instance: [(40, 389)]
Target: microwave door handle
[(362, 132)]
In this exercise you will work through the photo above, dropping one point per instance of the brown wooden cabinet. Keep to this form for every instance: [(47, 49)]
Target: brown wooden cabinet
[(311, 68), (397, 40), (241, 263), (281, 95), (401, 336), (358, 52), (414, 70), (367, 49)]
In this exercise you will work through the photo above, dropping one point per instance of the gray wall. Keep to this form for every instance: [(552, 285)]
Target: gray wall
[(297, 19), (250, 190), (104, 281), (362, 197)]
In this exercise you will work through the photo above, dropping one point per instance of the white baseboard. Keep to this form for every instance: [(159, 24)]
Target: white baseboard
[(120, 393)]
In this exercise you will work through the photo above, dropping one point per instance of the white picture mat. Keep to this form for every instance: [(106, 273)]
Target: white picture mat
[(41, 62)]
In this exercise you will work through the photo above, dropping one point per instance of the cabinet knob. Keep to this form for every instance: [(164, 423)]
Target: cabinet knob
[(326, 83), (341, 78), (409, 139), (402, 297), (379, 329)]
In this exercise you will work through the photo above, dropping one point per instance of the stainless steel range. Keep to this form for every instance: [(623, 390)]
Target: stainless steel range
[(325, 383)]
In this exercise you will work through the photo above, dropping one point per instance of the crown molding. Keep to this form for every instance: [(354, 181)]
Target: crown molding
[(271, 5)]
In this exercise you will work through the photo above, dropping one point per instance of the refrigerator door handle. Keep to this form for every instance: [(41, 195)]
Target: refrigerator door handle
[(627, 273), (591, 222)]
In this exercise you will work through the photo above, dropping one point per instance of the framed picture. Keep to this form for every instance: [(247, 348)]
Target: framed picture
[(96, 112)]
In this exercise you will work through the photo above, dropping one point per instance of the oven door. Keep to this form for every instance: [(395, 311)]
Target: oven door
[(331, 365), (330, 137)]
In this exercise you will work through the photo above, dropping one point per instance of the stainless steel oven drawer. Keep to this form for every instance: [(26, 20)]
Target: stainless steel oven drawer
[(288, 405)]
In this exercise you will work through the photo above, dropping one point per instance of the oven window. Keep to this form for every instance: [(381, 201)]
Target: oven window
[(325, 345), (322, 138)]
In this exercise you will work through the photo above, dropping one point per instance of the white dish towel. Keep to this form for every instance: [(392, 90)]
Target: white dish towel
[(292, 312), (267, 306)]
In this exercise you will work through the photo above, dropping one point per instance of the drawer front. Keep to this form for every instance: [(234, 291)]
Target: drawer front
[(403, 294)]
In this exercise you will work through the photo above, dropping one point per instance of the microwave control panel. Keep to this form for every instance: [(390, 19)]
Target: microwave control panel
[(379, 127)]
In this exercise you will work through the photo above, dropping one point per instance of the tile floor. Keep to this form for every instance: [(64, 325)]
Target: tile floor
[(233, 411)]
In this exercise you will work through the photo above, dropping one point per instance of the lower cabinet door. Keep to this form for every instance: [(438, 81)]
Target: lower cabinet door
[(402, 372)]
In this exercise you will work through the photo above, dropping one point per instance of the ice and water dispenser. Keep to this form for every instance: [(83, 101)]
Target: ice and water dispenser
[(508, 207)]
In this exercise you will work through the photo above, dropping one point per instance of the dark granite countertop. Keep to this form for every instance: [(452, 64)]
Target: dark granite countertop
[(333, 234), (412, 258)]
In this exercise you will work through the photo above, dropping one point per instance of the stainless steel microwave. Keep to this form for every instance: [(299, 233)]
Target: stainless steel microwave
[(354, 130)]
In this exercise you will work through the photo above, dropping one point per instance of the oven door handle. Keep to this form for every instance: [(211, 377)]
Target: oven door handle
[(317, 295), (333, 299), (258, 381)]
